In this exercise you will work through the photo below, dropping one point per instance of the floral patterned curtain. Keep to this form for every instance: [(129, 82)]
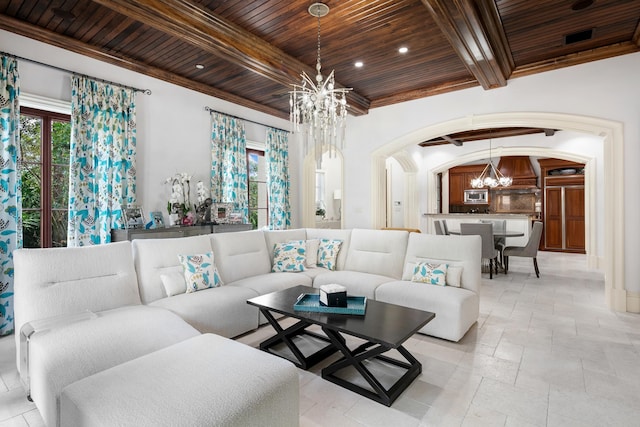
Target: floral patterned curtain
[(10, 186), (229, 163), (102, 175), (277, 156)]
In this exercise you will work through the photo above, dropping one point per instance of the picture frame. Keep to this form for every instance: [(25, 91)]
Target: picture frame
[(235, 217), (221, 212), (157, 219), (133, 217)]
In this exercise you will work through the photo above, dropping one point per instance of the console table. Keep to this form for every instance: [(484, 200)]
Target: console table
[(118, 235)]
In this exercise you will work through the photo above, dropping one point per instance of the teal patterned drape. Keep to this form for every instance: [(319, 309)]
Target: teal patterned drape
[(10, 186), (102, 175), (229, 163), (277, 157)]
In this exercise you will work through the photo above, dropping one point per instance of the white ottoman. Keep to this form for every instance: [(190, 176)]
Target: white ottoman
[(206, 380)]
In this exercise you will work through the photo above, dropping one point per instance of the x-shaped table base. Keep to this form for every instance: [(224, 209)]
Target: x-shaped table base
[(286, 336), (362, 353)]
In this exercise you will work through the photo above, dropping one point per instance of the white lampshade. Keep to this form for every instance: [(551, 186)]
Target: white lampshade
[(337, 194)]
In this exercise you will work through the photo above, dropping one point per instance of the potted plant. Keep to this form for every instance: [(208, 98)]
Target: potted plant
[(320, 214)]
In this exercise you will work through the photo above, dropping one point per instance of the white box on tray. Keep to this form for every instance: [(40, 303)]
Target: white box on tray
[(333, 295)]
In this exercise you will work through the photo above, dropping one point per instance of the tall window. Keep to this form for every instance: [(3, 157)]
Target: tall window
[(44, 145), (258, 200)]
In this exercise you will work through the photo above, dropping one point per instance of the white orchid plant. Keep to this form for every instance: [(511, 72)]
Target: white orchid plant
[(180, 199)]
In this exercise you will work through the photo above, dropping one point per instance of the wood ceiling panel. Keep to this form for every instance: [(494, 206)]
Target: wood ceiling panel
[(536, 30), (253, 50)]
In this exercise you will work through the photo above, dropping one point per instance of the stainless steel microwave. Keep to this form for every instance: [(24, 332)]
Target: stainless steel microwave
[(476, 197)]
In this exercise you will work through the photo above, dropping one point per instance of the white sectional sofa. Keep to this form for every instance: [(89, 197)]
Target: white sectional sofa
[(89, 315)]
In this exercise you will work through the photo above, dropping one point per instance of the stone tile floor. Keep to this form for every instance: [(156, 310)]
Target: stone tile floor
[(545, 352)]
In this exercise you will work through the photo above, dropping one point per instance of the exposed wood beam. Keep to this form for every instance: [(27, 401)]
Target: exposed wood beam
[(483, 134), (222, 38), (68, 43), (474, 30), (636, 35), (452, 141), (422, 93)]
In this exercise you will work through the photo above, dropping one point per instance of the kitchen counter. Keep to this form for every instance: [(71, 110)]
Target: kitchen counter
[(515, 222)]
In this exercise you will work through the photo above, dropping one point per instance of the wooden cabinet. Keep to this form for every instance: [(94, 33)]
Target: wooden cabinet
[(460, 179), (563, 206)]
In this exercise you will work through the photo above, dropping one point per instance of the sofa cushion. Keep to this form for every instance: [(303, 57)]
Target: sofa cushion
[(357, 283), (222, 310), (453, 275), (433, 274), (59, 281), (174, 283), (272, 237), (200, 271), (241, 255), (271, 282), (154, 257), (311, 253), (67, 353), (328, 251), (456, 309), (380, 252), (289, 256), (464, 251), (204, 381), (328, 233)]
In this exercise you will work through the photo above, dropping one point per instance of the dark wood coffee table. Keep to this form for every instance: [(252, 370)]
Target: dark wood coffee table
[(384, 327)]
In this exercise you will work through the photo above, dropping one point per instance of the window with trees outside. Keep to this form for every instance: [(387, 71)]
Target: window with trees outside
[(44, 145), (258, 200)]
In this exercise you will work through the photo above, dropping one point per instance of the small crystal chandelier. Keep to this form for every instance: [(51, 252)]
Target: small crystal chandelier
[(491, 177), (319, 109)]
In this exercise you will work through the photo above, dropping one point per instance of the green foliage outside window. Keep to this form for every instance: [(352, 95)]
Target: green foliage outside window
[(32, 164)]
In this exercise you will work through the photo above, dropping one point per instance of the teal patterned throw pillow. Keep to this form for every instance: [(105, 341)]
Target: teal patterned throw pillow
[(289, 256), (328, 253), (200, 271), (434, 274)]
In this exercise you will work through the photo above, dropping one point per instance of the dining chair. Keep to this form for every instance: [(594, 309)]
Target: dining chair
[(438, 226), (488, 248), (530, 250), (499, 225), (444, 226)]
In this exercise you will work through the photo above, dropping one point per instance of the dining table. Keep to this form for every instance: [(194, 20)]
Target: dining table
[(497, 235)]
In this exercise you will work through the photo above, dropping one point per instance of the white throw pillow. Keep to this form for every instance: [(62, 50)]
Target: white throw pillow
[(312, 246), (289, 256), (454, 274), (200, 271), (328, 253), (433, 274), (173, 283)]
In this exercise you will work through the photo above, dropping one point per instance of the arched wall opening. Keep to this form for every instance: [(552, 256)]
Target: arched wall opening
[(612, 136)]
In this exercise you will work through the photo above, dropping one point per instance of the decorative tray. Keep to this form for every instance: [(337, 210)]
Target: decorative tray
[(311, 302)]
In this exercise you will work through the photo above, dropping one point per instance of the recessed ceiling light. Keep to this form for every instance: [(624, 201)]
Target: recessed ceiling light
[(359, 64), (199, 66), (403, 49)]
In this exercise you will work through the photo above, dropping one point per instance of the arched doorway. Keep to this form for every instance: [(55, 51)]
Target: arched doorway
[(610, 131)]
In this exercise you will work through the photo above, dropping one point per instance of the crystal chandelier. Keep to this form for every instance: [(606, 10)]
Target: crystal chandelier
[(491, 177), (319, 109)]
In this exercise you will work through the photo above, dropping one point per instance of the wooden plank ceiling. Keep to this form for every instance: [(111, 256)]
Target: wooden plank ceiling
[(252, 51)]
